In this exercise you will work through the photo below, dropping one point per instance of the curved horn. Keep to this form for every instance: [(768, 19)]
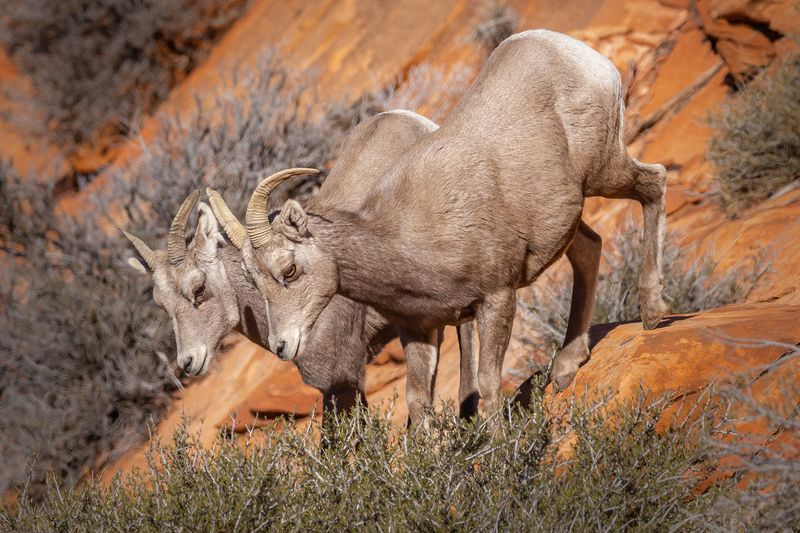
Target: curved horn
[(176, 242), (257, 217), (145, 251), (230, 224)]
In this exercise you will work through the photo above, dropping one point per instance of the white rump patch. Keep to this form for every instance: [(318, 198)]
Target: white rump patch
[(425, 121)]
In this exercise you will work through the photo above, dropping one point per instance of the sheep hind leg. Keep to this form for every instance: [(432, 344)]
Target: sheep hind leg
[(647, 184), (651, 186), (584, 257)]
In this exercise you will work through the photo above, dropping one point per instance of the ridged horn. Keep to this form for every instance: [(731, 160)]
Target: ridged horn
[(230, 224), (257, 217), (145, 251), (176, 242)]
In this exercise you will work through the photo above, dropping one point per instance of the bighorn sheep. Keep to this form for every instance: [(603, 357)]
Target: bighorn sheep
[(207, 293), (472, 212)]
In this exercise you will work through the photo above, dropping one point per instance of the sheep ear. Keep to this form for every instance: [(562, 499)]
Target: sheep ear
[(137, 265), (207, 235), (293, 221)]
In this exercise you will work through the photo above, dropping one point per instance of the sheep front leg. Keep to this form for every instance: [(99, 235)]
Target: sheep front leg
[(422, 356), (468, 388), (495, 315), (584, 257), (342, 399)]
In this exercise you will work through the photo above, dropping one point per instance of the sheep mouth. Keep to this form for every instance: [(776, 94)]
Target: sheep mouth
[(291, 353), (201, 368), (204, 365)]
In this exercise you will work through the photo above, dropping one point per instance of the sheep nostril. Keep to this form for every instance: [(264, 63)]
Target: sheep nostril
[(187, 365), (280, 347)]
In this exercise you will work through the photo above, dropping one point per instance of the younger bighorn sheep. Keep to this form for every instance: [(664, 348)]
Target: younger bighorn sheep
[(472, 212), (207, 292)]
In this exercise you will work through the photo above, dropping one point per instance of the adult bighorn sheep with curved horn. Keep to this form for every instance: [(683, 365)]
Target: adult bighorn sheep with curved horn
[(472, 212), (207, 292)]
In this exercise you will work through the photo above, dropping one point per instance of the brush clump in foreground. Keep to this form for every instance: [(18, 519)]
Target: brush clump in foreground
[(86, 358), (508, 471)]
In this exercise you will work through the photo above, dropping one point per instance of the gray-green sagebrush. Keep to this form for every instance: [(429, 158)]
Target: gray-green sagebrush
[(82, 390), (98, 66), (755, 148), (503, 472)]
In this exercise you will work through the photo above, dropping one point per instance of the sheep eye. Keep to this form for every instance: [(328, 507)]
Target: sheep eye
[(199, 294), (290, 272)]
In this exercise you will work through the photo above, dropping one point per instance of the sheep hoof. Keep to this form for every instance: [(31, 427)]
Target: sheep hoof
[(562, 380), (653, 314)]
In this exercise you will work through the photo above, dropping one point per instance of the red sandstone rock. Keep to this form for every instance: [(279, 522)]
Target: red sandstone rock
[(686, 353), (745, 31)]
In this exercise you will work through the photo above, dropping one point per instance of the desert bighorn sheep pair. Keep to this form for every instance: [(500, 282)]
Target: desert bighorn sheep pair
[(459, 220), (208, 293)]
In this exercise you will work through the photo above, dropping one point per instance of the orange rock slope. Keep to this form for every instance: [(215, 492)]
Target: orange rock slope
[(676, 58)]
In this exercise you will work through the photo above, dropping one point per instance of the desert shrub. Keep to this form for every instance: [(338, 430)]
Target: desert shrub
[(770, 500), (689, 286), (756, 144), (770, 503), (79, 370), (431, 88), (425, 88), (498, 22), (766, 468), (256, 121), (503, 472), (80, 358), (97, 65), (80, 336)]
